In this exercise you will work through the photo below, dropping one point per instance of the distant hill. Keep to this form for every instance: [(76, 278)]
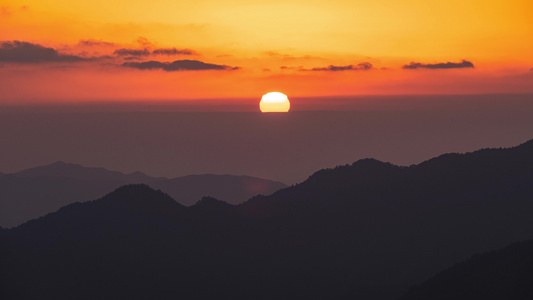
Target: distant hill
[(503, 274), (37, 191), (368, 230), (25, 198), (69, 170)]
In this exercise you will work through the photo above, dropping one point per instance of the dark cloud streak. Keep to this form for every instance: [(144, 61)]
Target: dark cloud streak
[(174, 51), (24, 52), (159, 51), (447, 65), (131, 52), (178, 65)]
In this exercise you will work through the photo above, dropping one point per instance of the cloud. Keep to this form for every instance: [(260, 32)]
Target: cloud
[(7, 11), (131, 52), (173, 51), (447, 65), (331, 68), (292, 68), (286, 56), (91, 42), (158, 51), (24, 52), (132, 58), (144, 42), (178, 65)]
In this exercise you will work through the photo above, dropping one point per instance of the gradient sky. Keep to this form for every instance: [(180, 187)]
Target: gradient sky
[(58, 50)]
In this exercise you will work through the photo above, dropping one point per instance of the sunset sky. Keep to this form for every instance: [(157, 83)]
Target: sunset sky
[(125, 50)]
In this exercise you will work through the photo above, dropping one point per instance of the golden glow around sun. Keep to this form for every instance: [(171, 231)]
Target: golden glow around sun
[(274, 102)]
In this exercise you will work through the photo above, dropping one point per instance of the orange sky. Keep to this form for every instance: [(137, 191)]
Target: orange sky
[(94, 50)]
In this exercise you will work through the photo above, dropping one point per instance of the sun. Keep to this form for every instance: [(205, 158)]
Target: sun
[(274, 102)]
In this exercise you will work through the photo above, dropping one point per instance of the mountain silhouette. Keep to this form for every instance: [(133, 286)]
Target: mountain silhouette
[(502, 274), (37, 191), (187, 190), (368, 230), (211, 204), (69, 170)]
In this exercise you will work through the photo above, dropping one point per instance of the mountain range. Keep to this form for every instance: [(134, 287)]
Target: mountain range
[(368, 230), (37, 191)]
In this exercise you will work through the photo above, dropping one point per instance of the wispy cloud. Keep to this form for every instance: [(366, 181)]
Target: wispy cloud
[(291, 68), (144, 42), (178, 65), (286, 56), (5, 11), (331, 68), (447, 65), (24, 52), (8, 11), (91, 42), (158, 51)]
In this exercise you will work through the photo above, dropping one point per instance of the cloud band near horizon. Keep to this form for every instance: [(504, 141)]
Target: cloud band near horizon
[(447, 65), (158, 51), (178, 65), (331, 68), (25, 52)]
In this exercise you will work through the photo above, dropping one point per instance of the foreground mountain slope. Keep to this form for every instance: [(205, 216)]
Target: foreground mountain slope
[(503, 274), (413, 221), (133, 243), (362, 231), (37, 191)]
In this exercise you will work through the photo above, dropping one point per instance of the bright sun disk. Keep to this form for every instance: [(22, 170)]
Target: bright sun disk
[(274, 102)]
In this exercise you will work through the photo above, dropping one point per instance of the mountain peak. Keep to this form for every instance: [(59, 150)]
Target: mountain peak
[(371, 162), (210, 202), (362, 167), (139, 194)]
